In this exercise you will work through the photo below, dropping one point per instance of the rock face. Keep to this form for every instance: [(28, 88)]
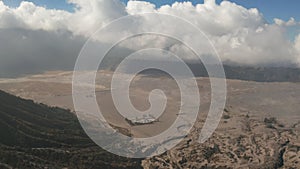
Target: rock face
[(239, 142)]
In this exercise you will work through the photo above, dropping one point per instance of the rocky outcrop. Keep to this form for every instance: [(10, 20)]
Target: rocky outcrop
[(239, 142)]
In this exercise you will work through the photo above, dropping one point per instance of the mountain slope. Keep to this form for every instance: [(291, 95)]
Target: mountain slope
[(37, 136)]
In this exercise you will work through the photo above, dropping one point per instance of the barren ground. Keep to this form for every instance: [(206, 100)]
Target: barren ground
[(260, 126)]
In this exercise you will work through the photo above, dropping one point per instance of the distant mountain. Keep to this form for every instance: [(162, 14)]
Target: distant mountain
[(37, 136), (248, 73), (258, 74)]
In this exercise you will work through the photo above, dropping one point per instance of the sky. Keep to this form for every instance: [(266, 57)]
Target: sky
[(43, 35), (282, 9)]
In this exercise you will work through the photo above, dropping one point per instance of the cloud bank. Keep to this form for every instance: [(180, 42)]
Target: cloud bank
[(51, 39)]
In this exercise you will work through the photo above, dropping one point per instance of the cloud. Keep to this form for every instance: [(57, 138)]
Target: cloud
[(136, 7), (216, 19), (240, 35), (30, 16), (290, 22), (91, 15), (297, 47), (35, 39), (26, 51)]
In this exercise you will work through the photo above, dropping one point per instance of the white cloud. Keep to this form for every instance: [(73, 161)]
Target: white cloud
[(240, 35), (216, 19), (297, 47), (90, 15), (30, 16), (290, 22), (134, 7)]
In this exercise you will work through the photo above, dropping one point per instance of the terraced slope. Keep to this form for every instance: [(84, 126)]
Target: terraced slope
[(37, 136)]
